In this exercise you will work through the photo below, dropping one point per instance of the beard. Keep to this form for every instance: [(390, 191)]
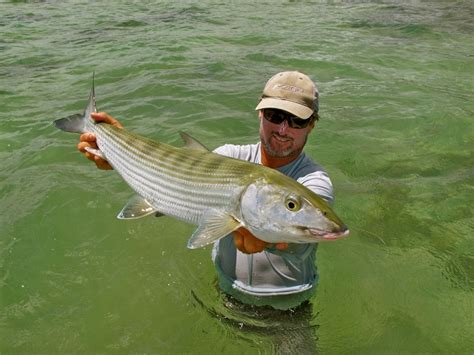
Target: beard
[(290, 151)]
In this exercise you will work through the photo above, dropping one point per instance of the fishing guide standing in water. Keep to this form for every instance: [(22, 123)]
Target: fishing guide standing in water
[(250, 270)]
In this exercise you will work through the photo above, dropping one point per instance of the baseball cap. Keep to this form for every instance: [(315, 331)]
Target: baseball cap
[(290, 91)]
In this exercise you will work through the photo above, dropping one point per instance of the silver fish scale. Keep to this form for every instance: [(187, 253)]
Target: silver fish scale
[(182, 183)]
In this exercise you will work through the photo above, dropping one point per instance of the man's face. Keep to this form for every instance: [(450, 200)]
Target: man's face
[(280, 140)]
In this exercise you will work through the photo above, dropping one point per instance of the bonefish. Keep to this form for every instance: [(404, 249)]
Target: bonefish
[(216, 193)]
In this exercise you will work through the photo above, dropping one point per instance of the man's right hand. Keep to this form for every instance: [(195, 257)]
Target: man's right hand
[(89, 140), (247, 243)]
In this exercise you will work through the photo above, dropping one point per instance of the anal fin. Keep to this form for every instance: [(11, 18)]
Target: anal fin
[(137, 207), (96, 152)]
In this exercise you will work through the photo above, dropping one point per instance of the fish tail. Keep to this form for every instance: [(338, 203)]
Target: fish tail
[(78, 123), (73, 123)]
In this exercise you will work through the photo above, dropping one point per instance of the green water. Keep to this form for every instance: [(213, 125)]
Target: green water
[(396, 136)]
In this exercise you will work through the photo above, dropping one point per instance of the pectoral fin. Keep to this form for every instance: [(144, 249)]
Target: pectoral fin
[(192, 143), (214, 225), (137, 207)]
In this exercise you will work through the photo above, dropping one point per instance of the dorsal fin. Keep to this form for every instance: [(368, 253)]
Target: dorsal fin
[(192, 143)]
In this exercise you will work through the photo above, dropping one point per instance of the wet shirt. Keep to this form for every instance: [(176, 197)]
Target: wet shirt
[(282, 279)]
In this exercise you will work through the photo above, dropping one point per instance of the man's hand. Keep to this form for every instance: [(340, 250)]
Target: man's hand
[(247, 243), (89, 140)]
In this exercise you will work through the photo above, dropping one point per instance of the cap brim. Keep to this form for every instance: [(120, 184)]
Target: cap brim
[(296, 109)]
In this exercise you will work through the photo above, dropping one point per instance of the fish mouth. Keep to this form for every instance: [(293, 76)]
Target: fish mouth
[(325, 235)]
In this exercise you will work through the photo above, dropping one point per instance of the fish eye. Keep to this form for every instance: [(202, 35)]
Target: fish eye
[(292, 204)]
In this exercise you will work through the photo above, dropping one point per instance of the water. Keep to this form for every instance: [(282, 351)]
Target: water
[(396, 137)]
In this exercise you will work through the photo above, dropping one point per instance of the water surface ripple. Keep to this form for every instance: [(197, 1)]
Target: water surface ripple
[(396, 136)]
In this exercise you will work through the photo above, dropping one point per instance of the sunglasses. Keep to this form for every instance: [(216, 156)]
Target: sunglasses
[(278, 116)]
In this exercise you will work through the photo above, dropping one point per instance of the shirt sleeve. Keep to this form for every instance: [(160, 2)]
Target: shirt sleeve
[(320, 183), (227, 150)]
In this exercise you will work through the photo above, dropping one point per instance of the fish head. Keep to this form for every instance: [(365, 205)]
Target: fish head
[(288, 212)]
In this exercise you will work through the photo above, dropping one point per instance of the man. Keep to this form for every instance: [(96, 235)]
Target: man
[(251, 270)]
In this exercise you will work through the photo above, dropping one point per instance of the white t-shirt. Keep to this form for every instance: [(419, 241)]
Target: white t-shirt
[(281, 279)]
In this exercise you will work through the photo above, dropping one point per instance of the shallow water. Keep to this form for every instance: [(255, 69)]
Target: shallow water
[(396, 137)]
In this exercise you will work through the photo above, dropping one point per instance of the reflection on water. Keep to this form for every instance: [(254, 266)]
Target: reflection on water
[(288, 331)]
